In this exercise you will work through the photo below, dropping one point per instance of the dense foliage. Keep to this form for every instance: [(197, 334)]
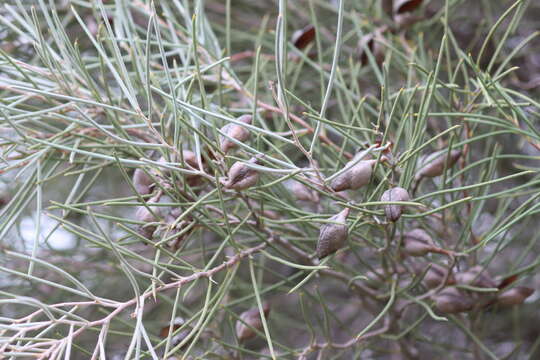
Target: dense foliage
[(269, 179)]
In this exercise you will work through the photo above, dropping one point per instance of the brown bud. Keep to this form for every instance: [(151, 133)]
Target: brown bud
[(393, 212), (373, 42), (250, 319), (435, 165), (302, 192), (476, 276), (403, 6), (301, 38), (235, 131), (417, 243), (242, 176), (514, 296), (451, 301), (354, 177), (332, 236)]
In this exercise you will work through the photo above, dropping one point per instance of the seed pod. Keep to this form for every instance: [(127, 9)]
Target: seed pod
[(302, 192), (177, 230), (251, 317), (514, 296), (377, 277), (332, 236), (451, 301), (142, 182), (188, 156), (435, 165), (176, 339), (301, 38), (393, 212), (404, 6), (354, 177), (235, 131), (144, 215), (242, 176), (373, 42), (435, 276), (417, 243), (476, 276)]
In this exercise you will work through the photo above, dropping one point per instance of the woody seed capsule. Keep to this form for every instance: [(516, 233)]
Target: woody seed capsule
[(417, 243), (476, 276), (142, 182), (332, 236), (373, 42), (435, 165), (393, 212), (514, 296), (251, 317), (235, 131), (144, 215), (435, 276), (354, 177), (403, 6), (302, 192), (452, 301), (242, 176)]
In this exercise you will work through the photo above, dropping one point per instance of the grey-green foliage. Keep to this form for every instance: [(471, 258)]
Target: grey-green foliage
[(93, 268)]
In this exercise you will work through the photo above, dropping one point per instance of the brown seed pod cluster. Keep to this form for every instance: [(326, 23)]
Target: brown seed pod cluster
[(393, 212), (235, 131), (453, 300), (355, 175), (249, 320), (333, 235)]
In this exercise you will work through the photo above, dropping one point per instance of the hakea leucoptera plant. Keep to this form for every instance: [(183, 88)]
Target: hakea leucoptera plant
[(333, 235), (250, 320), (235, 131)]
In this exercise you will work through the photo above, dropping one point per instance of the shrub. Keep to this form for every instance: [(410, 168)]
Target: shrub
[(252, 179)]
